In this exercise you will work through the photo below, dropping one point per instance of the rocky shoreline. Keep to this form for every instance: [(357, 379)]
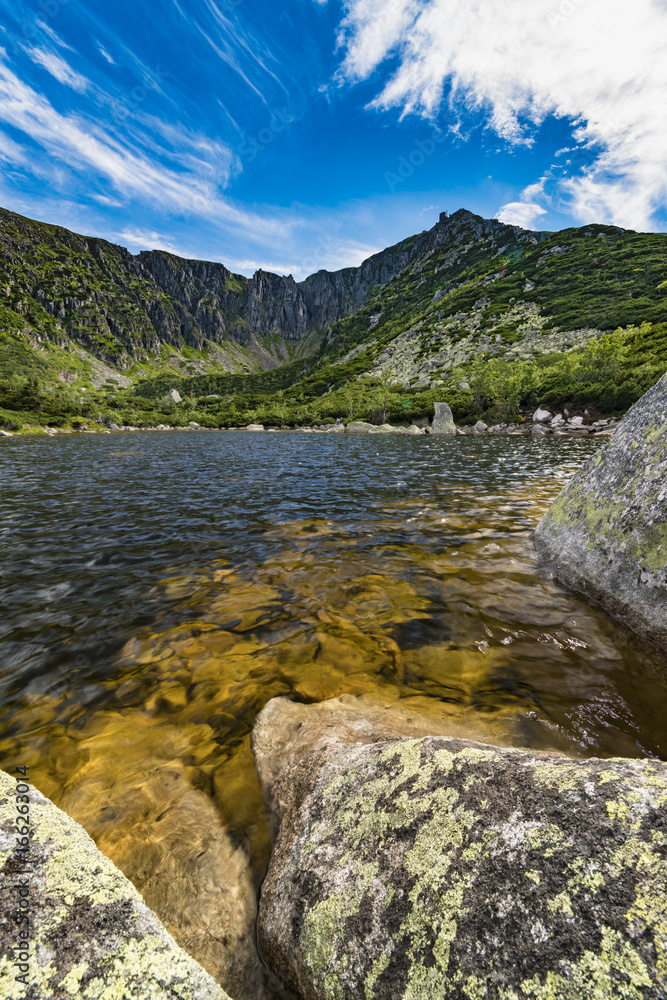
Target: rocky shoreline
[(544, 423)]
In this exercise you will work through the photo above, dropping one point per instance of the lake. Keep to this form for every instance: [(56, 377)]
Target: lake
[(159, 588)]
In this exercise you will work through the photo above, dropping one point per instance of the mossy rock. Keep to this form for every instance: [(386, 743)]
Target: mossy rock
[(91, 934), (606, 533), (442, 869)]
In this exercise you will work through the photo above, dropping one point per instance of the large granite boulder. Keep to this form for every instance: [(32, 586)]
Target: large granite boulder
[(606, 533), (91, 935), (434, 868), (443, 421)]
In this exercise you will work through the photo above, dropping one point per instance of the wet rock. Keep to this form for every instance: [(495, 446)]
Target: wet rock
[(443, 421), (606, 533), (92, 935), (438, 868)]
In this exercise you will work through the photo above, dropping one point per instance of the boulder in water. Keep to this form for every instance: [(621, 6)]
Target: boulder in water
[(437, 868), (91, 934), (606, 533)]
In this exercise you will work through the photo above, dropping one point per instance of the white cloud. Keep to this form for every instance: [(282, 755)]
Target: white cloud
[(82, 145), (137, 239), (58, 68), (105, 54), (520, 213), (599, 63)]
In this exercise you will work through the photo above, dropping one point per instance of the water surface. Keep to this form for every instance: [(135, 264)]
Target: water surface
[(158, 589)]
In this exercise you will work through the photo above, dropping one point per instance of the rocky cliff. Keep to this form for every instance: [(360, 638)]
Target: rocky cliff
[(58, 285), (607, 532)]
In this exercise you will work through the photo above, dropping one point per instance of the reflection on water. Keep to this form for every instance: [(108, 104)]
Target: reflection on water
[(156, 598)]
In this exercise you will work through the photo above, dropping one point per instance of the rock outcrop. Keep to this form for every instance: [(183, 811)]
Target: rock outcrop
[(90, 935), (443, 421), (440, 868), (606, 533)]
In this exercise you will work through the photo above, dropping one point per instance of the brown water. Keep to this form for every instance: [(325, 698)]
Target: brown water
[(158, 590)]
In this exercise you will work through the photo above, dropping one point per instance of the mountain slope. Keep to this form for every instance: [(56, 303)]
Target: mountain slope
[(486, 316), (60, 287)]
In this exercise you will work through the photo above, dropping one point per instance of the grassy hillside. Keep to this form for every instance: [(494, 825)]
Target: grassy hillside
[(493, 320)]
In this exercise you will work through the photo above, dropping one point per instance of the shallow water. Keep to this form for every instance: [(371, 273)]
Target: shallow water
[(158, 589)]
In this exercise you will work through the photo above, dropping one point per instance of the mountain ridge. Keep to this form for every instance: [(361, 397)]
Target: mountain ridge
[(122, 307)]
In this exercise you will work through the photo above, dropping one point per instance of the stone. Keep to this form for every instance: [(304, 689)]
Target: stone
[(576, 421), (606, 534), (194, 425), (175, 395), (464, 386), (413, 429), (359, 427), (254, 427), (91, 936), (537, 430), (480, 427), (423, 383), (541, 416), (443, 421), (6, 434), (431, 867), (385, 429)]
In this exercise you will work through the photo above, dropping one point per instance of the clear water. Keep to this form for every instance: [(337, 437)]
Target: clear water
[(158, 589)]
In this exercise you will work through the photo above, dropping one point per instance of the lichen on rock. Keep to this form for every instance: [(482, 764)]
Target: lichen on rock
[(439, 868), (606, 533), (92, 936)]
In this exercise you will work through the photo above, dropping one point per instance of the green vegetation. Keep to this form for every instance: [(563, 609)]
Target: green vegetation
[(503, 321)]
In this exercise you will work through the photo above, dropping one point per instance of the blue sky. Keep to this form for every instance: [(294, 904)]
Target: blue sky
[(312, 135)]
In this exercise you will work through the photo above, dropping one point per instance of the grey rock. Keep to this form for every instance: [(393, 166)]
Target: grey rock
[(541, 416), (254, 427), (91, 935), (537, 430), (6, 434), (576, 421), (175, 395), (194, 425), (443, 421), (443, 869), (359, 427), (480, 427), (464, 386), (413, 429), (606, 533)]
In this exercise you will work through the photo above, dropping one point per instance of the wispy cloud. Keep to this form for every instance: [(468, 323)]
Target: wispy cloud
[(59, 69), (84, 145), (105, 54), (602, 66)]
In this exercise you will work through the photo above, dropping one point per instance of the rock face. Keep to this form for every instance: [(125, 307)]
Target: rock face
[(607, 532), (443, 421), (119, 305), (435, 868), (92, 936)]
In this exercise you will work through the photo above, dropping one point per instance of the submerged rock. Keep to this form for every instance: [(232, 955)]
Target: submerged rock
[(443, 421), (606, 533), (91, 934), (434, 868)]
